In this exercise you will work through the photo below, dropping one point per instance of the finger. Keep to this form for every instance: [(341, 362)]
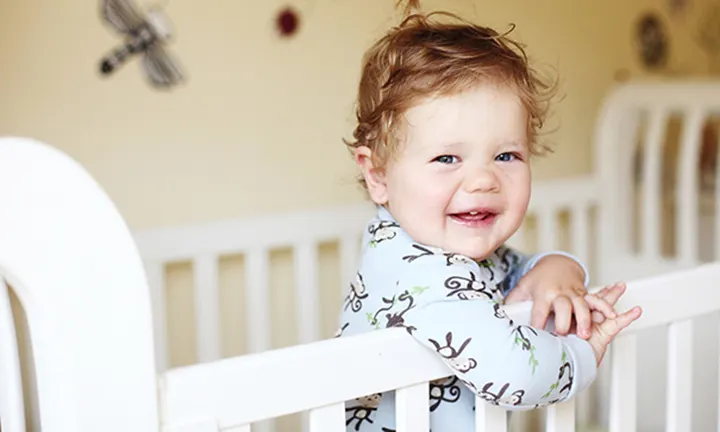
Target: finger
[(539, 313), (604, 290), (563, 315), (600, 305), (582, 317), (614, 293), (610, 328)]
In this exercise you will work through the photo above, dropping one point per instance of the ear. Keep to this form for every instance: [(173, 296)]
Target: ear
[(374, 177)]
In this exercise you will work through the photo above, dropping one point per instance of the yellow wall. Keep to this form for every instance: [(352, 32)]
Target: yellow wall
[(259, 127)]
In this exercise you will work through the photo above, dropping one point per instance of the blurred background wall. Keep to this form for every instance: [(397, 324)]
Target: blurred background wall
[(258, 127)]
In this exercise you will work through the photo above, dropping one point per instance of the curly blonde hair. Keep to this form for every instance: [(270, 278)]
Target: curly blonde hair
[(424, 57)]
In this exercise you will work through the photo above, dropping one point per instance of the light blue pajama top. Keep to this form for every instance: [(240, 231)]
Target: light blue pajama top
[(453, 306)]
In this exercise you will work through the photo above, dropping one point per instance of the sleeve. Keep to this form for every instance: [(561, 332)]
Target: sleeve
[(518, 264), (515, 366)]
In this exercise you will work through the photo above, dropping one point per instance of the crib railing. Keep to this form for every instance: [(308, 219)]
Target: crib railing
[(203, 245), (254, 238), (232, 394)]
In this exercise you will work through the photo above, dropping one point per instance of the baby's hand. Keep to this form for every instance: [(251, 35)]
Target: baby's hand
[(557, 284), (605, 329)]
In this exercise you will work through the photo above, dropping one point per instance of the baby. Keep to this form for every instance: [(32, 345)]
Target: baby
[(448, 117)]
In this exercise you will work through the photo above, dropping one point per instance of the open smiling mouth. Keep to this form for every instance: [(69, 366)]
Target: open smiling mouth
[(474, 217)]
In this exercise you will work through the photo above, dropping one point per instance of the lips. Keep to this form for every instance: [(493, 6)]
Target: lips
[(475, 218)]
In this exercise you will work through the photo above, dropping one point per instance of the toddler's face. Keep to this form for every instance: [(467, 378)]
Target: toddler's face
[(461, 179)]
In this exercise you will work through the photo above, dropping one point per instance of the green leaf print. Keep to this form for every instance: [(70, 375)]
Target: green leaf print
[(532, 360), (557, 383), (372, 321), (552, 387), (417, 290), (487, 263)]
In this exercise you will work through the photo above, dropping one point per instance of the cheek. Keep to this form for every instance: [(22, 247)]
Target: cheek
[(517, 183), (421, 191), (433, 191), (522, 188)]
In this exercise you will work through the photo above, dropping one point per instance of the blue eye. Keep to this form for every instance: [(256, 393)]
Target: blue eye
[(445, 159), (506, 157)]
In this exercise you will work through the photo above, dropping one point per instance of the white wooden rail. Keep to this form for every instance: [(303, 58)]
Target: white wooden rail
[(237, 392), (12, 405), (72, 263)]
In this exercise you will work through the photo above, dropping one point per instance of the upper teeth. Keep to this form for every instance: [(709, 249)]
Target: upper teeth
[(473, 213)]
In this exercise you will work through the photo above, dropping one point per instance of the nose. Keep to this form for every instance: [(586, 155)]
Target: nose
[(482, 180)]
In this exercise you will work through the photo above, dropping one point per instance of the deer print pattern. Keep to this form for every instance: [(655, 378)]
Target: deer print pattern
[(453, 306)]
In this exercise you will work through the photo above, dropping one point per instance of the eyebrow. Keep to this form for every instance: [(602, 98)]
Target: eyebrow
[(451, 145), (515, 144)]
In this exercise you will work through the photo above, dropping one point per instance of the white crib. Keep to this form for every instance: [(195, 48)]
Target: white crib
[(100, 340)]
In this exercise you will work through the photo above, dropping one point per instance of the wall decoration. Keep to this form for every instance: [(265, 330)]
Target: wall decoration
[(652, 41), (287, 21), (145, 35), (678, 7)]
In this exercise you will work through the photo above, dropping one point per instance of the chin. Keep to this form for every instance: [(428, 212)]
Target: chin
[(475, 252), (479, 250)]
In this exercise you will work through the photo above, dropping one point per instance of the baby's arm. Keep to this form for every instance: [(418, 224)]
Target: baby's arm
[(515, 366), (519, 264)]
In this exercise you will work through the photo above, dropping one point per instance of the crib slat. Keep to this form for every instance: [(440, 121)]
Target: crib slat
[(155, 272), (329, 418), (207, 309), (650, 224), (686, 228), (306, 281), (547, 235), (561, 417), (307, 300), (489, 418), (679, 394), (623, 384), (12, 408), (580, 247), (258, 305), (411, 408), (349, 246), (580, 232), (258, 312)]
